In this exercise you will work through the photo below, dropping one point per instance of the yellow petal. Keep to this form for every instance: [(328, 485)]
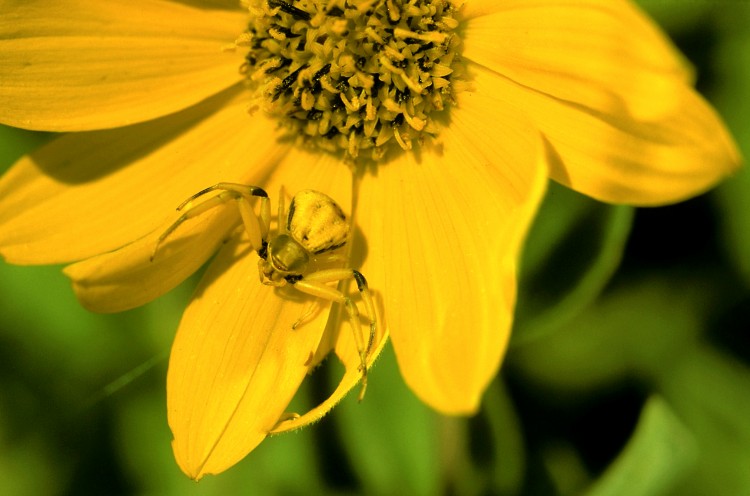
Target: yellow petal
[(444, 232), (347, 352), (236, 361), (74, 65), (217, 4), (607, 56), (90, 193), (235, 365), (614, 158), (128, 278)]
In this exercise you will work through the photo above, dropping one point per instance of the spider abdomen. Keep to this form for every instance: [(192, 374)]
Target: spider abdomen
[(317, 222)]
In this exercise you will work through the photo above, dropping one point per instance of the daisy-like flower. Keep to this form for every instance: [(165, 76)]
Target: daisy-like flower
[(435, 125)]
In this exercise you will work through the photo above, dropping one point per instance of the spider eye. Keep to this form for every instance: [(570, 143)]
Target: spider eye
[(286, 255)]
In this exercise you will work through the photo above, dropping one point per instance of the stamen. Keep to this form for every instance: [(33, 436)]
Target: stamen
[(289, 9), (433, 36), (350, 75)]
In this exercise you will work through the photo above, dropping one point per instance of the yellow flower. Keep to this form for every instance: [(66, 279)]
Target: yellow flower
[(586, 92)]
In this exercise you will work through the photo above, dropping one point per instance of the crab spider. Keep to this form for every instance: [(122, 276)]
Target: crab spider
[(310, 232)]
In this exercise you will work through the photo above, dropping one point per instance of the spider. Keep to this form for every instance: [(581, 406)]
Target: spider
[(308, 235)]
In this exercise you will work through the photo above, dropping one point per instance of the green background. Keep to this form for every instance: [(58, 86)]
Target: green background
[(627, 373)]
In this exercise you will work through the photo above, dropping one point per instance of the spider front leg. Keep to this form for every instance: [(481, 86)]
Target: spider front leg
[(315, 284), (257, 226)]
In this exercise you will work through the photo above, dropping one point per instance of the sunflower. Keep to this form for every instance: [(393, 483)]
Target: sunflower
[(434, 124)]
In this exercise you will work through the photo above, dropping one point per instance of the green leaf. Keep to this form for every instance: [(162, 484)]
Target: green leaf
[(711, 393), (484, 454), (633, 331), (15, 142), (677, 15), (559, 213), (283, 464), (658, 455), (390, 437), (574, 248), (506, 434), (652, 331), (732, 99)]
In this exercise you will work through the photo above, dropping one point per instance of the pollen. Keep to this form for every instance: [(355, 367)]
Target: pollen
[(360, 77)]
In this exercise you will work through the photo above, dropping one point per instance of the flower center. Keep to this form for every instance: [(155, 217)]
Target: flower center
[(354, 75)]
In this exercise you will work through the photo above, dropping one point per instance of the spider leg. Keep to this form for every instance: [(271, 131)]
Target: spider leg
[(306, 314), (331, 258), (240, 192), (257, 227), (280, 219), (316, 284)]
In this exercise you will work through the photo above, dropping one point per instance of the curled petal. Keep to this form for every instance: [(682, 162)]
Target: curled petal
[(606, 56), (346, 350), (444, 232), (75, 65), (128, 278), (609, 92), (614, 158), (89, 193)]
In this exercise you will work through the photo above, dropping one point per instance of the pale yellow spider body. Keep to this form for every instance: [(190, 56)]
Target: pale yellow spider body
[(314, 227)]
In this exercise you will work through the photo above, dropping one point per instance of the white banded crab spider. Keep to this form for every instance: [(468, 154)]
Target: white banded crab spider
[(309, 234)]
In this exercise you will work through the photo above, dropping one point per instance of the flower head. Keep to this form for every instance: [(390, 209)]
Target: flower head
[(355, 77), (435, 126)]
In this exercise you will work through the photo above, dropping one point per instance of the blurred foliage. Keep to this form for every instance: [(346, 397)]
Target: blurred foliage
[(627, 372)]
